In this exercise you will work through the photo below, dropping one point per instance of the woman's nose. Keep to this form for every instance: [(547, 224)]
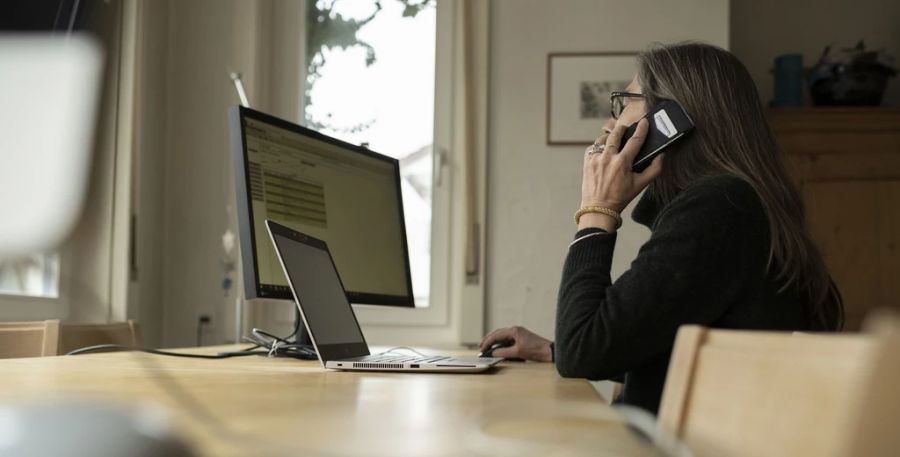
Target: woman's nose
[(609, 125)]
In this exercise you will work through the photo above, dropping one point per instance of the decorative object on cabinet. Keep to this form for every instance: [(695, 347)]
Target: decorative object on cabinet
[(860, 79)]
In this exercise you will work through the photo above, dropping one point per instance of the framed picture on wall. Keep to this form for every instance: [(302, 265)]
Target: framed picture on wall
[(578, 88)]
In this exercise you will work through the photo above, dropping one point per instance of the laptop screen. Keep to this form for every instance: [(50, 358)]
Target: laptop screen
[(319, 293)]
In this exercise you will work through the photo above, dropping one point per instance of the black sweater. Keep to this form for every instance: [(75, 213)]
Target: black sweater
[(705, 263)]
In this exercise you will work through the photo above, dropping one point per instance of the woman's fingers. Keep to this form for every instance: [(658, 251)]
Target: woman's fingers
[(614, 139), (511, 352), (602, 139), (590, 151), (633, 146), (522, 344), (501, 334), (650, 173)]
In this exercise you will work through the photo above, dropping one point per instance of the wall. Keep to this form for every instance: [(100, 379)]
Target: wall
[(533, 189), (197, 165), (763, 29), (149, 153), (182, 167), (184, 185)]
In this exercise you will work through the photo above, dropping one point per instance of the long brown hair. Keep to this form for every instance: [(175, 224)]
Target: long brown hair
[(733, 137)]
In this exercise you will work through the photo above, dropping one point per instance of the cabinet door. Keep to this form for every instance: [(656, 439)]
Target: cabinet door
[(889, 217), (855, 223)]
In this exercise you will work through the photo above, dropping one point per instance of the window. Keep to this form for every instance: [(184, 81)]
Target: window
[(33, 276), (371, 81)]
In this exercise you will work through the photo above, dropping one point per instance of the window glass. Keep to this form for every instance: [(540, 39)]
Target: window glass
[(34, 276), (370, 80)]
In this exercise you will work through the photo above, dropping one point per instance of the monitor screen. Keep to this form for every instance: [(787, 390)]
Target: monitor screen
[(345, 195)]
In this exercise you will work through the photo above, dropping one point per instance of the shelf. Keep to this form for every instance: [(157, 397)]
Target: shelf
[(835, 119)]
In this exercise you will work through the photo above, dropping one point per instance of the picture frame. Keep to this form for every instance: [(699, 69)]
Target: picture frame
[(578, 88)]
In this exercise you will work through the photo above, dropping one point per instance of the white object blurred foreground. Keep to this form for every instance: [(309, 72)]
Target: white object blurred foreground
[(49, 94)]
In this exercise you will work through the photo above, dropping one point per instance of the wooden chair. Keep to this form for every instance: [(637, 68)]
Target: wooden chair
[(872, 423), (28, 339), (75, 336), (739, 393)]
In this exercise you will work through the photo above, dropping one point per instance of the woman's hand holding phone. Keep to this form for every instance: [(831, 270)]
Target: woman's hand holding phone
[(608, 179)]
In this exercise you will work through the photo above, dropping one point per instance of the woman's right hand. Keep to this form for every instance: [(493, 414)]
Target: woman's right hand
[(525, 344)]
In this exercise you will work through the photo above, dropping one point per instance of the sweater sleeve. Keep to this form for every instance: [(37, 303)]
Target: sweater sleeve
[(688, 272)]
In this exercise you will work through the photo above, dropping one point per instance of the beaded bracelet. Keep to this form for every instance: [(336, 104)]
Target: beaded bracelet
[(601, 210)]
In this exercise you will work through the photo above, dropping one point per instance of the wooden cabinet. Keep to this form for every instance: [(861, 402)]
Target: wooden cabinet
[(847, 164)]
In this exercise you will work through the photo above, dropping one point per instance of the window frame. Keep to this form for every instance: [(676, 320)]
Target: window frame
[(437, 314), (455, 314)]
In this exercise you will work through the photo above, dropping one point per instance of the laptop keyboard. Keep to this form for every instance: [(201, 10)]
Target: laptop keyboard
[(399, 358)]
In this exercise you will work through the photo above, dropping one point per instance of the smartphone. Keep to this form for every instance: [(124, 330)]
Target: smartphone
[(668, 123)]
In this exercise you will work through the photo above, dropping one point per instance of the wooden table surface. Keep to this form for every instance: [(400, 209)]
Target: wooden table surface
[(264, 407)]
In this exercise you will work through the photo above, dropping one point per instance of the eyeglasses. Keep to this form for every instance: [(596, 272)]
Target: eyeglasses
[(617, 102)]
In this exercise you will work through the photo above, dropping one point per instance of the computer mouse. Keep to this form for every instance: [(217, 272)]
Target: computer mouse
[(489, 352), (69, 428)]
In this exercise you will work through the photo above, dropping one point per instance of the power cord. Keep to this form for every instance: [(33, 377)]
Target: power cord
[(283, 347), (120, 347), (280, 347), (271, 346)]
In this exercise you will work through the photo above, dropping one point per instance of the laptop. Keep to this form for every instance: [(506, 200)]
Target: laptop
[(330, 320)]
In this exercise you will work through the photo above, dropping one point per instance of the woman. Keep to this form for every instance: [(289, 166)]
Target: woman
[(729, 246)]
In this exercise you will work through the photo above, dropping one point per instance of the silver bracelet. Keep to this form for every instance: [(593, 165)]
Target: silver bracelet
[(586, 236)]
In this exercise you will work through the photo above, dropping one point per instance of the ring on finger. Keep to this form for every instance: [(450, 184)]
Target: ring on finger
[(597, 148)]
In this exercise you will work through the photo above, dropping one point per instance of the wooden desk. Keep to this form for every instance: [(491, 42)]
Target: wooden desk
[(260, 406)]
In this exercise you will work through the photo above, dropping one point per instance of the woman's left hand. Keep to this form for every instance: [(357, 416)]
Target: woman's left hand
[(608, 180)]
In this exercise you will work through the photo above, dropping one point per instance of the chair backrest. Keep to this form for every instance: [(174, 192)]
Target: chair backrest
[(76, 336), (28, 339), (873, 422), (741, 393)]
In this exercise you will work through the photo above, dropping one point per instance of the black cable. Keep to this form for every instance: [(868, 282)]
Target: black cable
[(297, 351), (273, 346), (257, 332), (280, 347), (283, 347), (221, 355)]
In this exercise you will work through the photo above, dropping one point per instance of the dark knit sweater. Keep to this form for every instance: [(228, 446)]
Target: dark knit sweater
[(705, 263)]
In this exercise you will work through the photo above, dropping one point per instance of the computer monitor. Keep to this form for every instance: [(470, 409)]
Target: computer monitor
[(344, 194)]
